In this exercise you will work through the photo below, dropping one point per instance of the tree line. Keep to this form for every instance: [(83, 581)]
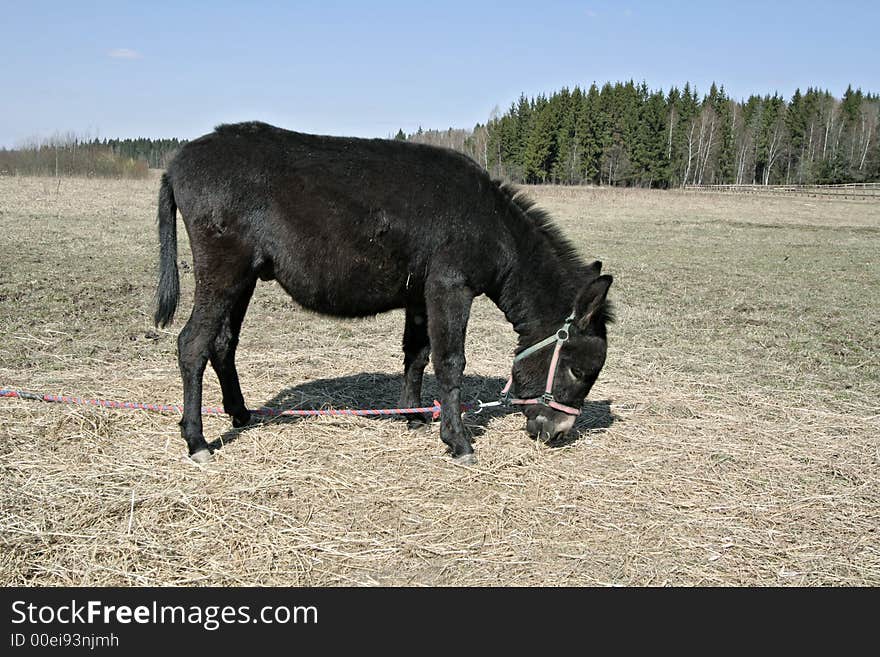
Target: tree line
[(626, 134), (71, 155)]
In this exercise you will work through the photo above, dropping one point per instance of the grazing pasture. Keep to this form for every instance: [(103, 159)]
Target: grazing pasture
[(733, 437)]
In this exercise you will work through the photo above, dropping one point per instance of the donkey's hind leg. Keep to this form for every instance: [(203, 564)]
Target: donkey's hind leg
[(223, 357), (211, 305), (416, 350)]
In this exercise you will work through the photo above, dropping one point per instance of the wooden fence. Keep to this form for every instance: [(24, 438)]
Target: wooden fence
[(861, 191)]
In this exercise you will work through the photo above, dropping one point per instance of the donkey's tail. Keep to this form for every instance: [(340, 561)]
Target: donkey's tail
[(168, 290)]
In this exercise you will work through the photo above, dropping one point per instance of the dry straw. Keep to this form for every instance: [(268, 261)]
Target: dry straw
[(732, 439)]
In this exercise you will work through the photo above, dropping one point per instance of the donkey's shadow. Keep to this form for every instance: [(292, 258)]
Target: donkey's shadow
[(381, 390)]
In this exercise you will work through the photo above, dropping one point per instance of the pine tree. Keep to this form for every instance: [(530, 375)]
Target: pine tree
[(652, 139), (540, 148), (726, 138), (588, 126), (564, 165)]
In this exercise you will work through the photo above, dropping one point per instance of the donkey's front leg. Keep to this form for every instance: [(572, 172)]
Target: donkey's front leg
[(449, 306)]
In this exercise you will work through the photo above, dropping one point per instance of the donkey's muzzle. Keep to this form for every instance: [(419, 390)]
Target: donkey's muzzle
[(548, 425)]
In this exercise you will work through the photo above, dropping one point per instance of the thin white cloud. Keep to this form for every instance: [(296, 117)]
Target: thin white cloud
[(124, 53)]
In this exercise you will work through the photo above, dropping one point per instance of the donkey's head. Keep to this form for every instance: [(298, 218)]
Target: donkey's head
[(553, 376)]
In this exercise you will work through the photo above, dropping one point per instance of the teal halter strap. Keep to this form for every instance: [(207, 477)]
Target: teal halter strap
[(560, 336)]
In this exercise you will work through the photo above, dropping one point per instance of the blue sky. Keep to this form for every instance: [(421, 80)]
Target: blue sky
[(158, 68)]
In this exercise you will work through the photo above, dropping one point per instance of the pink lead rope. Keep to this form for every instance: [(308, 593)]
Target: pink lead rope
[(546, 399), (560, 337)]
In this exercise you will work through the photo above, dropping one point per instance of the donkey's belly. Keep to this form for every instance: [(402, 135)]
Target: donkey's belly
[(354, 287)]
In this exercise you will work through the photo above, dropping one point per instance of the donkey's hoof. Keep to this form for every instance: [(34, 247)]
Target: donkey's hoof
[(465, 459), (241, 420), (202, 456)]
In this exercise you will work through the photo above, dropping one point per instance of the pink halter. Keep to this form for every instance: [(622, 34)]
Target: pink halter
[(547, 398)]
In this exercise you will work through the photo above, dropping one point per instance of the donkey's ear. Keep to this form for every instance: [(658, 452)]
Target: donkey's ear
[(590, 300), (595, 267)]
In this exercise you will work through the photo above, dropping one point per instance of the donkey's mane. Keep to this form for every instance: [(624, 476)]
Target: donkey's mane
[(540, 219), (566, 253)]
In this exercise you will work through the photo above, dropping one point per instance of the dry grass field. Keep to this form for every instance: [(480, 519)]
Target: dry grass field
[(731, 440)]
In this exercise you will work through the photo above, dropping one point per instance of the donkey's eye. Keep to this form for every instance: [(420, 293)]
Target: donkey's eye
[(576, 373)]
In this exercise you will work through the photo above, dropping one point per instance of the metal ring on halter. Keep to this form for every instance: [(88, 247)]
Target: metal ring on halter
[(562, 334), (479, 407)]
